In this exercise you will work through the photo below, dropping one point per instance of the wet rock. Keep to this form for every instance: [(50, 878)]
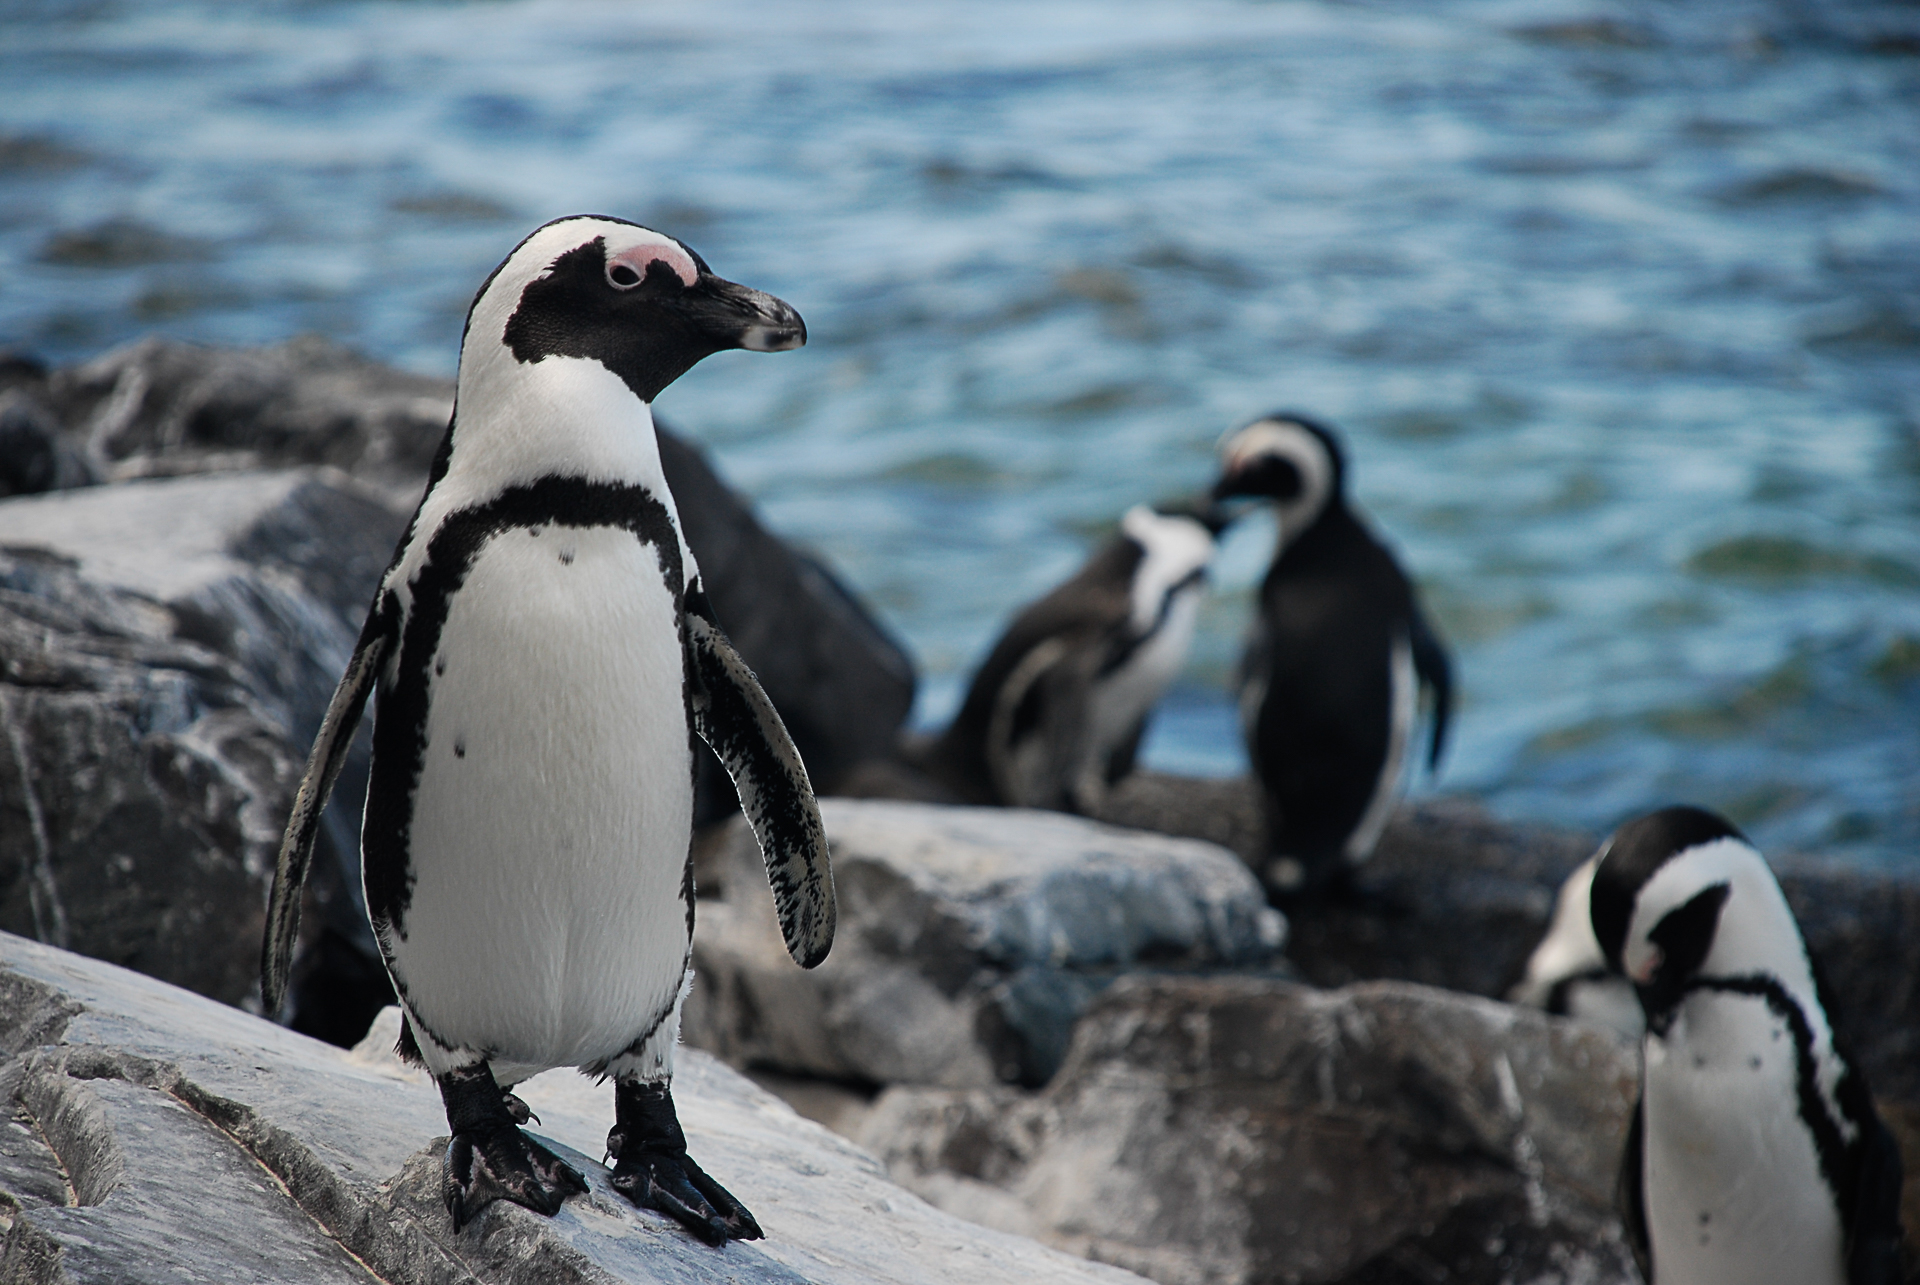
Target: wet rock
[(970, 940), (1229, 1130), (157, 1137), (167, 649)]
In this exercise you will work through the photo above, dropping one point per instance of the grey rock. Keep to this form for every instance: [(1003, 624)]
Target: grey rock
[(166, 648), (842, 685), (970, 940), (1227, 1130), (159, 406), (157, 1137), (265, 578), (1457, 898)]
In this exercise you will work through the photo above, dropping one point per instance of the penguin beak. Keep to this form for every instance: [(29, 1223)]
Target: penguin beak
[(736, 316)]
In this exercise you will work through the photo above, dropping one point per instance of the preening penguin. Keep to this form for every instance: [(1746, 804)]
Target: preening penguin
[(1755, 1154), (1329, 683), (1567, 975), (544, 652), (1055, 714)]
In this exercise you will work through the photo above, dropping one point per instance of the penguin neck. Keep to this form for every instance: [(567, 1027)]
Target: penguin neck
[(557, 417), (1335, 530)]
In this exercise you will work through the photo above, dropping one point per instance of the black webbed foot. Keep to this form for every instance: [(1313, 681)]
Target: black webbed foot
[(488, 1157), (652, 1168)]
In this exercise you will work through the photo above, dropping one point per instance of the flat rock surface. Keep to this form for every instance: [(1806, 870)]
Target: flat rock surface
[(970, 940), (1232, 1130), (155, 1136)]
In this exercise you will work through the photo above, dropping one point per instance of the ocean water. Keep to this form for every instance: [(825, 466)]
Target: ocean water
[(1617, 304)]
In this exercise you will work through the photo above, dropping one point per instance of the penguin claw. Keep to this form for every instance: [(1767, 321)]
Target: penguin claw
[(519, 1110), (670, 1183), (483, 1166)]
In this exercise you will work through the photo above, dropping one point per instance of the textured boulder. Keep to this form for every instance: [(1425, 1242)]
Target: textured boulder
[(166, 648), (159, 406), (144, 780), (154, 1137), (970, 940), (1228, 1130), (1457, 898)]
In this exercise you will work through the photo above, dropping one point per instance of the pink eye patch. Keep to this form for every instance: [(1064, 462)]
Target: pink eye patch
[(636, 258)]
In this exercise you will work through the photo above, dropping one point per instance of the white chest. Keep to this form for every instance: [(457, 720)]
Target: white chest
[(1732, 1177), (1126, 695), (551, 820)]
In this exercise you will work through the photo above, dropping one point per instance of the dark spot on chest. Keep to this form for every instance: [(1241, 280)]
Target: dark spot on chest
[(440, 666), (566, 557), (460, 748)]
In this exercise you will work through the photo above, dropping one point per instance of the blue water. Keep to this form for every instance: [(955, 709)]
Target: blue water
[(1617, 303)]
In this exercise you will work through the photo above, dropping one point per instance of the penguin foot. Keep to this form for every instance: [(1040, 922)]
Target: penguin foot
[(483, 1167), (653, 1170), (489, 1158), (519, 1110)]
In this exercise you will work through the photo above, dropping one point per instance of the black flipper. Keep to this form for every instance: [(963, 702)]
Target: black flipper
[(329, 755), (1632, 1193), (1436, 674), (489, 1158), (653, 1170), (1873, 1222), (733, 716)]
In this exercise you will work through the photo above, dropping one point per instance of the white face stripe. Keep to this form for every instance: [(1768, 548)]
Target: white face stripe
[(1176, 547), (534, 257), (1757, 932), (1299, 446)]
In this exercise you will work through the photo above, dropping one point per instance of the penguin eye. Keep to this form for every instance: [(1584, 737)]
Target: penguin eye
[(621, 276)]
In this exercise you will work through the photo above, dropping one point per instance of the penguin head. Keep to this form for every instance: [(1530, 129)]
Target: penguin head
[(1175, 550), (637, 302), (1288, 459), (1680, 894)]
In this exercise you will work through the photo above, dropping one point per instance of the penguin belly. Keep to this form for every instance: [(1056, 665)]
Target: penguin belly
[(550, 826), (1733, 1189)]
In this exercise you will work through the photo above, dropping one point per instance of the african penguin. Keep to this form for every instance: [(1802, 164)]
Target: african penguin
[(1567, 975), (544, 654), (1056, 713), (1329, 682), (1755, 1154)]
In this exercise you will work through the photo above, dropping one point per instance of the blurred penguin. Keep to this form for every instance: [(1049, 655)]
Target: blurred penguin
[(1334, 666), (1055, 715), (1755, 1154), (1567, 975)]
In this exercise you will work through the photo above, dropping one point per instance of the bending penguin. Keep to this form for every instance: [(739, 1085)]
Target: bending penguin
[(544, 653), (1330, 679), (1755, 1154), (1055, 714), (1567, 975)]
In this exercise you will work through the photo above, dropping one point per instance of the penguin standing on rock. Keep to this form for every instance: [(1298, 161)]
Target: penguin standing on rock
[(1755, 1154), (1055, 715), (1329, 683), (544, 654)]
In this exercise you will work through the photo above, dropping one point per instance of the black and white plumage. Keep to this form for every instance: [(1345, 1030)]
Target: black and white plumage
[(1331, 676), (1567, 974), (544, 653), (1755, 1154), (1055, 714)]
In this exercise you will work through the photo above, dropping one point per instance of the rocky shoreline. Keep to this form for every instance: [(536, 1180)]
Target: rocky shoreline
[(1096, 1033)]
